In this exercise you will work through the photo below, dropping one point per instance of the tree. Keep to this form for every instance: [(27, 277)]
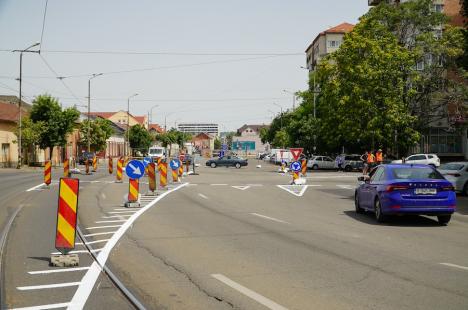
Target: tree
[(463, 60), (30, 135), (217, 144), (139, 138), (57, 123), (229, 139), (281, 139), (99, 131)]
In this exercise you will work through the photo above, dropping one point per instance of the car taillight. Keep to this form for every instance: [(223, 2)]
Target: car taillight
[(392, 188), (448, 188)]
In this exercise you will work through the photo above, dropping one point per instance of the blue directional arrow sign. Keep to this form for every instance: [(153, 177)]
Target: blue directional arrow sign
[(175, 164), (221, 154), (135, 169), (296, 166), (147, 160)]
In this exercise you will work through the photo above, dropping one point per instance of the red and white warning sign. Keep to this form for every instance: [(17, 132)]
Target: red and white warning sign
[(296, 153)]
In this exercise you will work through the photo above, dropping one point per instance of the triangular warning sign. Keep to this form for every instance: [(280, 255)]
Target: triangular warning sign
[(296, 153), (242, 188), (296, 190)]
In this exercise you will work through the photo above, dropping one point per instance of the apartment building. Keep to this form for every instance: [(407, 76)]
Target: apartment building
[(196, 128), (326, 42)]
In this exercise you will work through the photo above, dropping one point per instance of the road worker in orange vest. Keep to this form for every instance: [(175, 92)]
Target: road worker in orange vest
[(371, 160), (379, 157)]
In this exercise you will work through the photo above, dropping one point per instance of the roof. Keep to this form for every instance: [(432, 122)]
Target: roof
[(14, 100), (101, 114), (156, 128), (9, 112), (341, 28), (139, 119), (203, 135), (254, 127)]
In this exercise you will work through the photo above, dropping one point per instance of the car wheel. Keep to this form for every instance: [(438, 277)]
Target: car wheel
[(348, 168), (213, 165), (465, 189), (444, 219), (359, 210), (379, 216), (238, 165), (315, 167)]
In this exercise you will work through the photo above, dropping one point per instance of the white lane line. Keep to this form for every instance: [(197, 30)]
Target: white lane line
[(113, 221), (98, 227), (77, 252), (35, 187), (219, 184), (270, 304), (345, 186), (116, 216), (103, 196), (99, 234), (454, 266), (202, 196), (270, 218), (41, 287), (121, 209), (89, 280), (58, 270), (95, 241), (119, 212), (43, 307)]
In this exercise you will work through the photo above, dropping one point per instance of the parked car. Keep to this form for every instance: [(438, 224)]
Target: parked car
[(457, 174), (227, 161), (86, 156), (321, 162), (405, 189), (423, 159), (352, 162)]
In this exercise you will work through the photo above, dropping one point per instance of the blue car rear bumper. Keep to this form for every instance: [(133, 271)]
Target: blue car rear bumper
[(394, 204)]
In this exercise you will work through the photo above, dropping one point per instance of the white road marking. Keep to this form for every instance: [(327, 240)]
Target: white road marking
[(43, 307), (89, 280), (296, 190), (242, 188), (35, 187), (219, 184), (41, 287), (202, 196), (455, 266), (254, 185), (122, 212), (270, 218), (121, 209), (96, 241), (98, 227), (116, 216), (345, 186), (100, 234), (77, 252), (113, 221), (270, 304), (58, 270), (333, 177), (103, 196)]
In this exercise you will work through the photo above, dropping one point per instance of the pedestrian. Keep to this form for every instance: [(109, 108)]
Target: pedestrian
[(364, 161), (379, 157), (339, 161), (371, 161)]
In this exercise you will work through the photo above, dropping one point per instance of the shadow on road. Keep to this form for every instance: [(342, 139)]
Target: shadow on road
[(45, 259), (402, 221)]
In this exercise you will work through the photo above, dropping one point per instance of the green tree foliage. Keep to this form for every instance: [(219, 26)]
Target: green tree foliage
[(57, 123), (463, 61), (30, 135), (99, 131), (217, 144), (281, 139), (173, 137), (139, 138)]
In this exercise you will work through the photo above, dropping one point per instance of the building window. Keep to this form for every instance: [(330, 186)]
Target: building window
[(420, 65), (438, 8), (334, 44)]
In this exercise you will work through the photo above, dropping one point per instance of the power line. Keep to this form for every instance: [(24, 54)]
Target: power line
[(43, 24), (189, 100)]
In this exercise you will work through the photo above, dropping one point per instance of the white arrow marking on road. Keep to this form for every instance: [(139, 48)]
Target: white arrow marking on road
[(43, 307), (296, 190), (454, 266), (136, 170), (242, 188)]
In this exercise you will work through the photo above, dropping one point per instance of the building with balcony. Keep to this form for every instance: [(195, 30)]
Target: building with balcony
[(326, 42), (196, 128)]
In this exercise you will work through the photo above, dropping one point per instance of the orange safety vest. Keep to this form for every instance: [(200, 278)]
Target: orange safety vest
[(379, 156), (370, 158)]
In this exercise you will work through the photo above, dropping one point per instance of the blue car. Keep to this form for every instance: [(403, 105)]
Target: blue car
[(397, 189)]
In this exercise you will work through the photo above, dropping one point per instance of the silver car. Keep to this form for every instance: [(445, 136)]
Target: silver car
[(457, 174)]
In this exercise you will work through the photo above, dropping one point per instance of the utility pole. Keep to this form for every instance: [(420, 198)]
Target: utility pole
[(88, 135), (294, 97), (20, 125), (128, 122)]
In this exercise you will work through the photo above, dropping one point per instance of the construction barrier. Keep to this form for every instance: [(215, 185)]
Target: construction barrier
[(66, 168), (118, 175), (94, 164), (87, 166), (47, 172), (304, 167), (181, 170), (133, 190), (66, 215), (295, 176), (175, 175), (152, 176), (187, 166), (111, 165), (163, 174)]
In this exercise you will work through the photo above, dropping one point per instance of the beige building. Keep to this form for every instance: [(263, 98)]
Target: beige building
[(325, 43), (8, 145), (248, 140), (120, 118)]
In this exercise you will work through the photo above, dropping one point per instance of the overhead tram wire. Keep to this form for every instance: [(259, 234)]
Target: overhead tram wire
[(110, 52), (43, 24)]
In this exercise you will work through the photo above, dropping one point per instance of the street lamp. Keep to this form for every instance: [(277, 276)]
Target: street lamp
[(294, 97), (281, 117), (165, 120), (94, 75), (20, 150), (128, 121), (151, 114)]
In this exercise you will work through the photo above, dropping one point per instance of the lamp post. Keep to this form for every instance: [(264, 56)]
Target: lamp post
[(20, 135), (294, 97), (165, 120), (128, 121), (94, 75), (151, 113), (281, 117)]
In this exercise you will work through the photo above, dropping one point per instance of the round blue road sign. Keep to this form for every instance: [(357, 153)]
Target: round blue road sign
[(296, 166), (135, 169), (175, 164)]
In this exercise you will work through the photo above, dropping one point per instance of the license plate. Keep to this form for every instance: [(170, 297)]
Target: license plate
[(426, 191)]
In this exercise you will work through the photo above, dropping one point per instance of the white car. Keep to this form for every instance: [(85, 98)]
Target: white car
[(457, 174), (423, 159), (321, 162)]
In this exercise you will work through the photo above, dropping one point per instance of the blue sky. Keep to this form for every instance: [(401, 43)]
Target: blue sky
[(228, 89)]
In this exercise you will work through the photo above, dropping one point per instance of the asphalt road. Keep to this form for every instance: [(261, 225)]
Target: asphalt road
[(229, 238)]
